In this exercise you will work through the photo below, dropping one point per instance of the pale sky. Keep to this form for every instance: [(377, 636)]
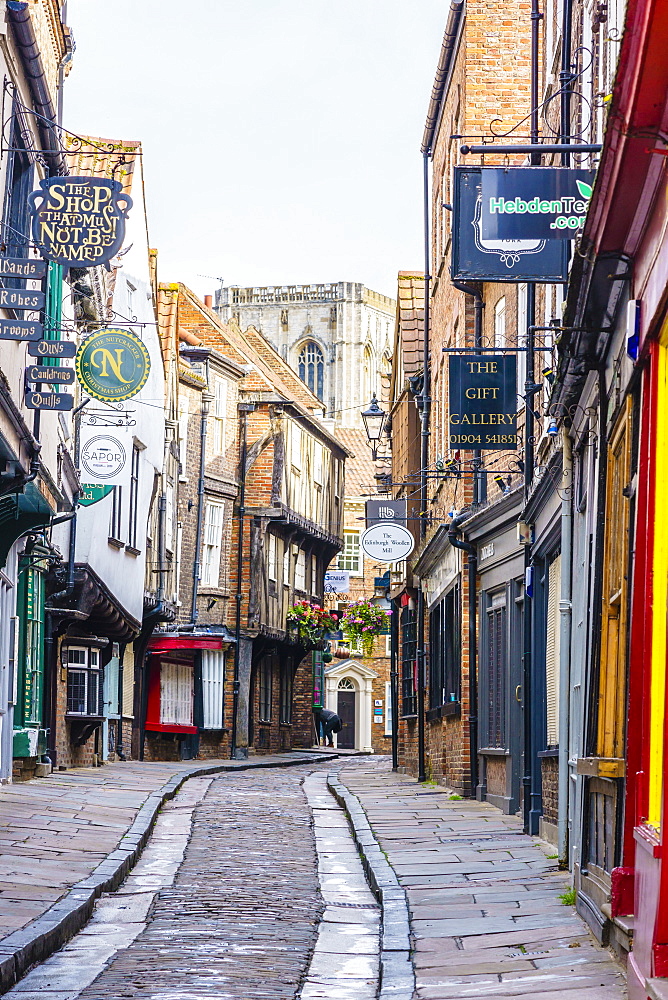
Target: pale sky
[(281, 137)]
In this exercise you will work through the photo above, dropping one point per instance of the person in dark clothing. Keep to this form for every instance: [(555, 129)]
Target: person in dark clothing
[(328, 722)]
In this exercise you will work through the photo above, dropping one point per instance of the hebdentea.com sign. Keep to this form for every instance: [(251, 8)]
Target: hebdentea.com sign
[(547, 203)]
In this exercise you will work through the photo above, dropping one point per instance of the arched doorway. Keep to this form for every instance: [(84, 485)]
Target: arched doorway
[(346, 709)]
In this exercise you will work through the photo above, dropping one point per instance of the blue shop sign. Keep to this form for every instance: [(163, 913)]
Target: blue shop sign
[(534, 203), (476, 257)]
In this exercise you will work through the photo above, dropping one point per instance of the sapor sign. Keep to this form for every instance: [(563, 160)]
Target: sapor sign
[(104, 456), (545, 203), (483, 401), (387, 542), (79, 221)]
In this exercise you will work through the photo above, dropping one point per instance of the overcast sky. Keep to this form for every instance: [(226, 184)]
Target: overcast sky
[(281, 137)]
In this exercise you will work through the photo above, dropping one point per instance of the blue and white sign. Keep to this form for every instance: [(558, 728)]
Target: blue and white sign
[(337, 581), (534, 203)]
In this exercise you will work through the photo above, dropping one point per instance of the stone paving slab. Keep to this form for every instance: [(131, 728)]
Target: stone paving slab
[(485, 917)]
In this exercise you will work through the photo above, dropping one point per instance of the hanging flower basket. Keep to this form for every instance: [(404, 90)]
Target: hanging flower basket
[(308, 623), (361, 622)]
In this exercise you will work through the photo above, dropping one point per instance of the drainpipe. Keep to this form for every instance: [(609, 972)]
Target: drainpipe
[(565, 608), (244, 409), (425, 407), (197, 565), (472, 551)]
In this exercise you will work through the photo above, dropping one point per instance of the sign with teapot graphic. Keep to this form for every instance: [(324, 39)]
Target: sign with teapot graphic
[(79, 221)]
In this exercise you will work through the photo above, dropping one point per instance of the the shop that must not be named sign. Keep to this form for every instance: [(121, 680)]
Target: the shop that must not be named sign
[(483, 402), (534, 203), (113, 365), (386, 542), (79, 221)]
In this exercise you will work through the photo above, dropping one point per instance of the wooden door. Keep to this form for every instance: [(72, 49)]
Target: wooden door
[(346, 712)]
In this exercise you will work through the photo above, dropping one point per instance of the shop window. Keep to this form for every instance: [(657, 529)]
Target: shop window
[(408, 663), (445, 650), (286, 693), (213, 679), (176, 694), (31, 642), (266, 669), (84, 681)]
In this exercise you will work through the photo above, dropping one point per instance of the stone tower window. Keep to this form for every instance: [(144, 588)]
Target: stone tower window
[(312, 368)]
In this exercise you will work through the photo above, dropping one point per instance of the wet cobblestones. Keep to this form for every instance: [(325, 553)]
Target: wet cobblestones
[(240, 920)]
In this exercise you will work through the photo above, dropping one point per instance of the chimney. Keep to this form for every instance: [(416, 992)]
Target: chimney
[(208, 301)]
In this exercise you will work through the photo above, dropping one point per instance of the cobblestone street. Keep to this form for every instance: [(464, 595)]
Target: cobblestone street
[(251, 888)]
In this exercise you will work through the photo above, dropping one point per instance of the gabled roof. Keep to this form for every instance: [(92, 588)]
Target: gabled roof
[(360, 469)]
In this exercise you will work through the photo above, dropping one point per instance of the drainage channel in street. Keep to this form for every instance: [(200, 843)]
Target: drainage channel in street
[(345, 961)]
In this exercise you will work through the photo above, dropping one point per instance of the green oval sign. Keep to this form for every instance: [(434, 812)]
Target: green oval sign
[(113, 365)]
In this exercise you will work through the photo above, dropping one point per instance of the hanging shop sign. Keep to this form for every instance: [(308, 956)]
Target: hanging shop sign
[(337, 581), (49, 348), (20, 298), (79, 221), (49, 400), (104, 454), (385, 510), (93, 494), (386, 542), (534, 203), (113, 365), (483, 402), (22, 267), (42, 373), (19, 329), (476, 257)]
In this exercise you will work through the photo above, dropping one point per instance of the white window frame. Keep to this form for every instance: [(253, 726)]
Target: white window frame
[(314, 574), (214, 514), (300, 571), (271, 558), (347, 558), (219, 412), (89, 667)]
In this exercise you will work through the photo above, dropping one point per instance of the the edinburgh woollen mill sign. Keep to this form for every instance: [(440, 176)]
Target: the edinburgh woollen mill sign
[(113, 365), (386, 542), (483, 402), (79, 221)]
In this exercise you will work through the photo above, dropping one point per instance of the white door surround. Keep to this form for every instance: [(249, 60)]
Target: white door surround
[(361, 678)]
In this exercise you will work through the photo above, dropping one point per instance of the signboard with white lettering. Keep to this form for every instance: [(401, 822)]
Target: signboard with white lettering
[(385, 510), (22, 267), (534, 203), (19, 298), (19, 329), (386, 542), (50, 348), (483, 402)]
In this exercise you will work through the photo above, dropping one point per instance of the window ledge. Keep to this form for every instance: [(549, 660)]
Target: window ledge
[(447, 710), (552, 752), (494, 752), (412, 716), (132, 551), (116, 542)]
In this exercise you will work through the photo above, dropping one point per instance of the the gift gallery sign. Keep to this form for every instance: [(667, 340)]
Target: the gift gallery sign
[(483, 401)]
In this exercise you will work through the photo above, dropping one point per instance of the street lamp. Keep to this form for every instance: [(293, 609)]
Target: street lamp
[(374, 421)]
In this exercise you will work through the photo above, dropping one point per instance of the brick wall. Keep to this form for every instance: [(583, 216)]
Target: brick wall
[(550, 777)]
